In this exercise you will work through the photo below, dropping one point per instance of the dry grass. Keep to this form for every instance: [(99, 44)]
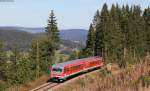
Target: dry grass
[(43, 79), (128, 79)]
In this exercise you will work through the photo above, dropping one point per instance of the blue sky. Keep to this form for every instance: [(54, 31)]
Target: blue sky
[(69, 13)]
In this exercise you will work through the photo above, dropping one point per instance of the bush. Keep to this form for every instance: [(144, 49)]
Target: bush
[(3, 85)]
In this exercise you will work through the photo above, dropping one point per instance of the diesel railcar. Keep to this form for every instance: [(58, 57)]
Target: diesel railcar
[(62, 71)]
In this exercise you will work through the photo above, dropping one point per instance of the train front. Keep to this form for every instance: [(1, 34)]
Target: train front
[(56, 73)]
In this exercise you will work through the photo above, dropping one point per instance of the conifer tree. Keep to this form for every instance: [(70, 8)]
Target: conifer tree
[(122, 33), (44, 50), (52, 29), (146, 16), (24, 72), (101, 31), (41, 53), (2, 53), (90, 43), (125, 29), (115, 34), (37, 60), (16, 54), (52, 41), (2, 61)]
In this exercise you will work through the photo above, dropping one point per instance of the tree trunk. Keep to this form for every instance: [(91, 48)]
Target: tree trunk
[(125, 53), (37, 60)]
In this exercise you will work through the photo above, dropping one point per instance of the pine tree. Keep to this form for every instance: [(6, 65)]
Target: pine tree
[(146, 16), (135, 33), (96, 25), (90, 43), (1, 51), (115, 34), (33, 55), (2, 61), (101, 31), (52, 29), (37, 60), (41, 55), (16, 54), (51, 44), (124, 27), (122, 34), (24, 72), (44, 50), (47, 52)]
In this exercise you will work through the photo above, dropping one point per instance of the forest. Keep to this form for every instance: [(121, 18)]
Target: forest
[(120, 35)]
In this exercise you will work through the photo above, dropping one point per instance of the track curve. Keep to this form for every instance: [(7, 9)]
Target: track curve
[(45, 86), (52, 85)]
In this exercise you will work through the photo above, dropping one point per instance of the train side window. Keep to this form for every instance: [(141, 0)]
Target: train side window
[(93, 63), (65, 70), (71, 68), (77, 67), (74, 67)]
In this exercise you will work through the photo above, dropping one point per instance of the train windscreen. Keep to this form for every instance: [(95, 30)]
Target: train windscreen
[(57, 70)]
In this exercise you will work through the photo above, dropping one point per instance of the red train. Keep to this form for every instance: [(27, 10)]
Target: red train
[(62, 71)]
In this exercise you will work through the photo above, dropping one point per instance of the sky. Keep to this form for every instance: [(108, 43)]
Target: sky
[(70, 14)]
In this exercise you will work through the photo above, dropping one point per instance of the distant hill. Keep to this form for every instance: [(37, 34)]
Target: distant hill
[(74, 34), (30, 30), (11, 38), (16, 35), (78, 35)]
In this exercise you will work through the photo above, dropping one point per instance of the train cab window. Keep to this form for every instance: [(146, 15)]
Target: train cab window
[(56, 70)]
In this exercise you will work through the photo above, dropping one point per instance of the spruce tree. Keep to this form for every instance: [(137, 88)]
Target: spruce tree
[(41, 52), (122, 34), (24, 72), (52, 29), (124, 24), (2, 53), (136, 28), (98, 37), (115, 34), (101, 31), (52, 41), (37, 60), (90, 43), (2, 61), (44, 50), (146, 16)]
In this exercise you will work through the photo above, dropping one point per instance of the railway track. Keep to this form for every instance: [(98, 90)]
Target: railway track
[(51, 85), (45, 86)]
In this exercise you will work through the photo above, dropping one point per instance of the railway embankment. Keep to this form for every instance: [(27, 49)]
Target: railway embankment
[(108, 78), (129, 79)]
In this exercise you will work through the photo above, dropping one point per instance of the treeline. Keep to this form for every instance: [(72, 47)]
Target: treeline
[(19, 67), (119, 34), (12, 37)]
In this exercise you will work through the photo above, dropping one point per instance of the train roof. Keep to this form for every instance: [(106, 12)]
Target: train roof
[(61, 65)]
